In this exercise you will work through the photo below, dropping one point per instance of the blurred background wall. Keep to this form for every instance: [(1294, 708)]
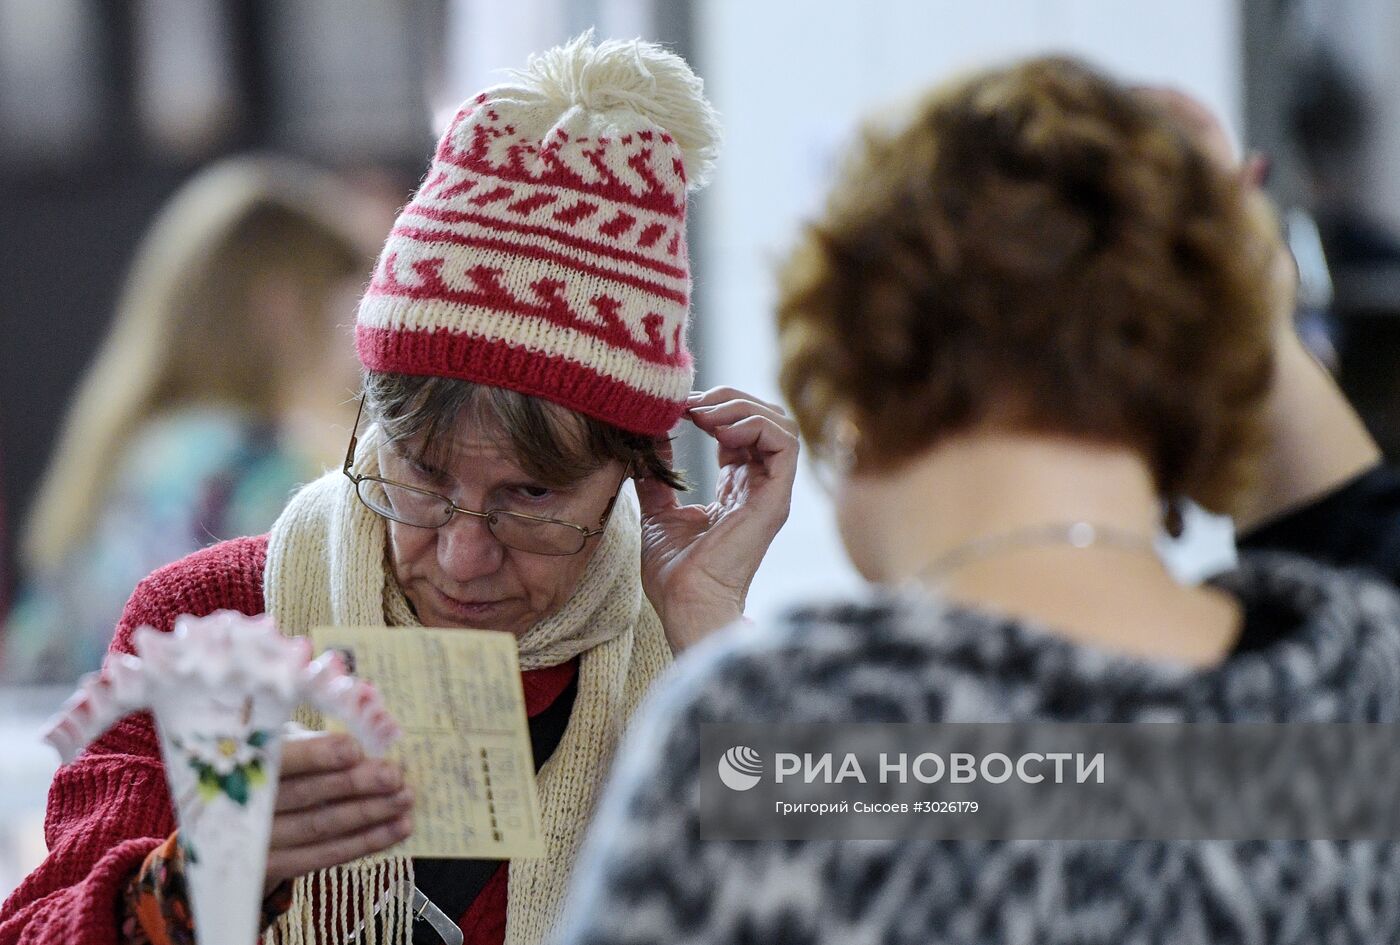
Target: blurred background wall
[(106, 106)]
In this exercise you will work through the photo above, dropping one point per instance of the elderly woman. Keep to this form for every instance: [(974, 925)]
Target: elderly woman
[(1035, 313), (524, 343)]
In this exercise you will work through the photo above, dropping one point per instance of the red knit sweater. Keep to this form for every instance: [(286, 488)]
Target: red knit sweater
[(110, 807)]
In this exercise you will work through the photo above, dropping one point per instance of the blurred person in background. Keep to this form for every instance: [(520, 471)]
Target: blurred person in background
[(223, 383), (524, 344), (1036, 312)]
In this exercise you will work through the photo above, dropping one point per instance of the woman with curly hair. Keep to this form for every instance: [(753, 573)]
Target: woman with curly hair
[(1035, 315)]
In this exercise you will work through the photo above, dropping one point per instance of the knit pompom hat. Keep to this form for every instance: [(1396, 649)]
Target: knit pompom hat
[(545, 251)]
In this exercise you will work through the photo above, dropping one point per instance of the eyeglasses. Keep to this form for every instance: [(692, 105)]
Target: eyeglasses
[(422, 508)]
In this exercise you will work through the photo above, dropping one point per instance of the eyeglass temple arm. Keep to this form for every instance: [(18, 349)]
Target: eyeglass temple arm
[(607, 512), (354, 438)]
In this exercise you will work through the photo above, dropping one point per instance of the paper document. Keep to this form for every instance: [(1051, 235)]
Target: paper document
[(466, 742)]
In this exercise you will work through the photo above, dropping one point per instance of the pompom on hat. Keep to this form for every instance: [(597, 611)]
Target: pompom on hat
[(545, 251)]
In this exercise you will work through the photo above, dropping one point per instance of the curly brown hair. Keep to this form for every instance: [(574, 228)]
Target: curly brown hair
[(1039, 249)]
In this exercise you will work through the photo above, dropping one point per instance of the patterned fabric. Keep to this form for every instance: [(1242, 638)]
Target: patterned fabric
[(647, 877), (157, 907), (189, 479), (545, 251)]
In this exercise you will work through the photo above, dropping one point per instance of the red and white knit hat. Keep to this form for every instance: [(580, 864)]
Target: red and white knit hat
[(545, 251)]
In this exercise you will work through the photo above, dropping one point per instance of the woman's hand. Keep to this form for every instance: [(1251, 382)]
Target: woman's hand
[(334, 805), (698, 560)]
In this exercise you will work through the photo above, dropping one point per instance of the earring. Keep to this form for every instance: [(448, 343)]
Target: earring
[(1174, 516), (834, 463)]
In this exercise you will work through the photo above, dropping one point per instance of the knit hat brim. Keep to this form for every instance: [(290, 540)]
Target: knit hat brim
[(498, 363)]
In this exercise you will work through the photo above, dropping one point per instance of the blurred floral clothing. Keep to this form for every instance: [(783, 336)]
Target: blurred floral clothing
[(187, 480), (156, 908)]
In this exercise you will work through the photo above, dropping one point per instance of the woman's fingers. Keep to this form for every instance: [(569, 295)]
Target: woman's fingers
[(295, 861), (319, 752), (746, 427), (710, 416), (760, 441), (367, 778), (718, 395), (760, 435), (334, 805), (328, 822)]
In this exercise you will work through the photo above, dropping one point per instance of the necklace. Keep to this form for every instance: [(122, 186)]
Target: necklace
[(1074, 534)]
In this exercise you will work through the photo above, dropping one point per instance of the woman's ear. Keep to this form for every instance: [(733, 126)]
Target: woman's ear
[(654, 496)]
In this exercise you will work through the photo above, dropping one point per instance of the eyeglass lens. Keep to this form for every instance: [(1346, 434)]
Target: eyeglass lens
[(428, 510)]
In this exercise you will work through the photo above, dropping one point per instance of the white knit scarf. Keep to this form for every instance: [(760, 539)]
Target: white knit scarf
[(327, 565)]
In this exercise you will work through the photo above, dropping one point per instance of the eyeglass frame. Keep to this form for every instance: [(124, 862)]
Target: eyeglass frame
[(357, 478)]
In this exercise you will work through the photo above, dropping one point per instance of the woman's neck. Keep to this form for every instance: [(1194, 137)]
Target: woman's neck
[(977, 486), (951, 509)]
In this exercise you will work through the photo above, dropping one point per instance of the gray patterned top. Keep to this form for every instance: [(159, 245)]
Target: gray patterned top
[(1330, 652)]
